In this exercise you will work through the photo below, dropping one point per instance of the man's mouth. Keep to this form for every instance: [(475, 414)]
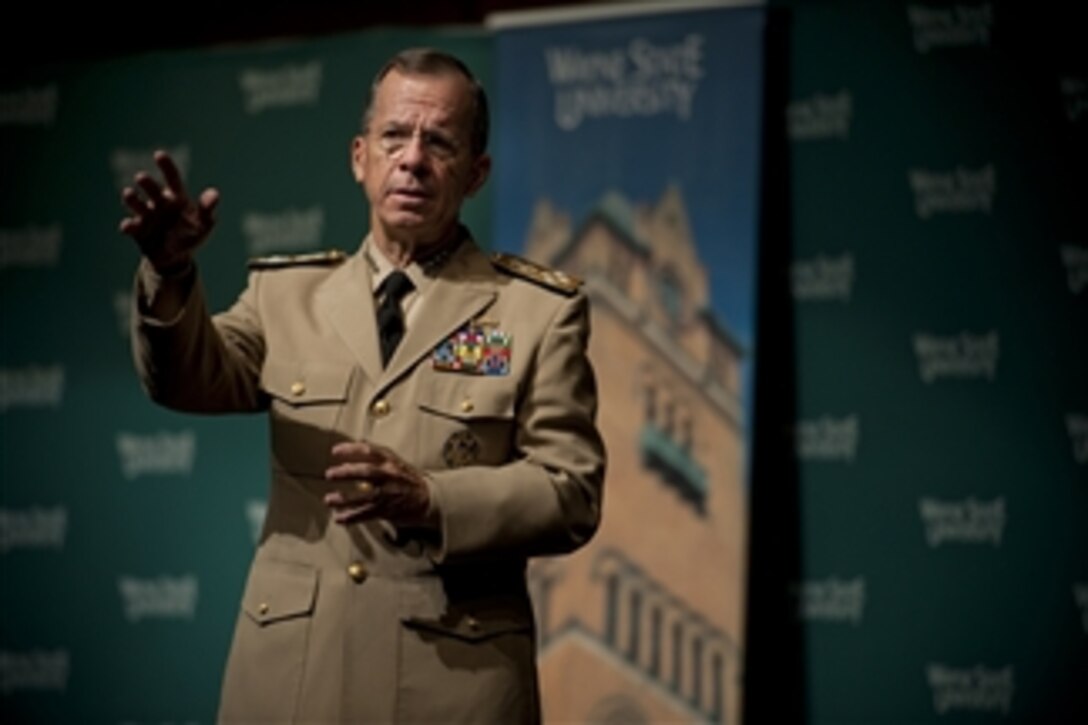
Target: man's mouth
[(413, 194)]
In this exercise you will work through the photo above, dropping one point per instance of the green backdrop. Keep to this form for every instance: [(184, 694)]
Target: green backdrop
[(922, 556)]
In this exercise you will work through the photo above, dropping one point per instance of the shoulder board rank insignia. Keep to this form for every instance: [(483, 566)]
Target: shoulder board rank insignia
[(328, 258), (553, 279)]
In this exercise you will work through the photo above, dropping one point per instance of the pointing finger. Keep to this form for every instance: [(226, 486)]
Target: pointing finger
[(171, 173), (209, 200)]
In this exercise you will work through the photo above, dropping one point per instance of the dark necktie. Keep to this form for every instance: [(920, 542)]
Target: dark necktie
[(390, 318)]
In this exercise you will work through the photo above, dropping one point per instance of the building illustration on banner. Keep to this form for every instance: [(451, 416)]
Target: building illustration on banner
[(645, 624)]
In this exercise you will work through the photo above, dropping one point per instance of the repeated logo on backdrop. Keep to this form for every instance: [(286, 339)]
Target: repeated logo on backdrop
[(965, 356), (968, 521), (832, 600), (34, 106), (283, 87), (960, 190), (962, 25), (36, 527), (828, 439), (161, 453), (35, 670), (821, 116), (289, 230), (161, 597), (31, 386), (970, 689), (823, 278), (31, 246)]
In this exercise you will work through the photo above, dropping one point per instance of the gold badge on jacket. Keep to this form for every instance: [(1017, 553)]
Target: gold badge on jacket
[(478, 348), (461, 449)]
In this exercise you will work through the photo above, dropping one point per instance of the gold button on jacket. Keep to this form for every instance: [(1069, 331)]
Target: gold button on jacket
[(357, 571)]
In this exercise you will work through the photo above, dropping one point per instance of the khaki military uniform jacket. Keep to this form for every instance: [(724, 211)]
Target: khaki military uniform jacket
[(368, 623)]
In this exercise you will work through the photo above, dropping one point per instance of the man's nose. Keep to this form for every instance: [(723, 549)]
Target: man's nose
[(413, 155)]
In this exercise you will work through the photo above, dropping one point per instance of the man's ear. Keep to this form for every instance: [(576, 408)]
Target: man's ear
[(358, 158), (481, 169)]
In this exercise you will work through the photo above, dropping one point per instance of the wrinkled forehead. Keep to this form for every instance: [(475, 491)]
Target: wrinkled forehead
[(443, 98)]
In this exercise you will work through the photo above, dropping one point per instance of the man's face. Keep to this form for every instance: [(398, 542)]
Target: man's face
[(415, 161)]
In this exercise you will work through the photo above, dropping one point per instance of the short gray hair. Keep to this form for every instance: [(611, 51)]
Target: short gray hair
[(429, 61)]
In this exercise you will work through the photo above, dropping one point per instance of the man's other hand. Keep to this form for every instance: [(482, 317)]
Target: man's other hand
[(373, 482)]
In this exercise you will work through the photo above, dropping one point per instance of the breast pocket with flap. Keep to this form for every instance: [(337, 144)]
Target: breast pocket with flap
[(308, 399), (465, 421)]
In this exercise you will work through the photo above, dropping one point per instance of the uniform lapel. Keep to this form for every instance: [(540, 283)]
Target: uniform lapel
[(346, 301), (462, 290)]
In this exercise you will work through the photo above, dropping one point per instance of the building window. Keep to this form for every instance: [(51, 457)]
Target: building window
[(668, 420), (677, 656), (697, 670), (674, 463), (717, 700), (686, 434), (634, 624), (611, 604), (651, 403), (655, 641), (671, 295)]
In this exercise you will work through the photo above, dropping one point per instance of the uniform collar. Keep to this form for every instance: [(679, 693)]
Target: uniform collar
[(421, 271)]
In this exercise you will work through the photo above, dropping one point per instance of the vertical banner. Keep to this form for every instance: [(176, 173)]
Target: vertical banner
[(627, 154)]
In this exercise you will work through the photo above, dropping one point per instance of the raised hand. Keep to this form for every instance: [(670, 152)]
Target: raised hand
[(166, 224)]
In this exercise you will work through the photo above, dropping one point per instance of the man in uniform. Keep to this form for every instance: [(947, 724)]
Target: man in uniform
[(432, 426)]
